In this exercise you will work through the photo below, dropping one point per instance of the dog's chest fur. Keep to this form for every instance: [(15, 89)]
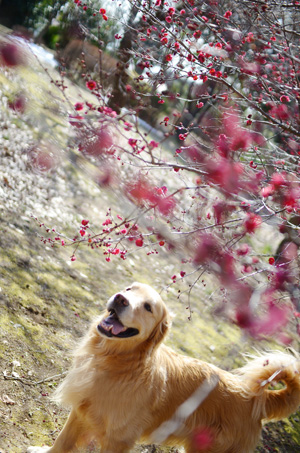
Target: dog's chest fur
[(109, 394)]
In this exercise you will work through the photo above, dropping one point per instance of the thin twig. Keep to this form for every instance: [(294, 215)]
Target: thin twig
[(28, 382)]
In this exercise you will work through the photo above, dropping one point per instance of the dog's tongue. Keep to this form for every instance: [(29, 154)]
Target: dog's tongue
[(113, 324)]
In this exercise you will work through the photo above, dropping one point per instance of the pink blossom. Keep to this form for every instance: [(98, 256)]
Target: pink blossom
[(91, 84), (11, 54), (281, 112), (101, 142), (275, 318), (201, 58), (225, 174), (250, 37), (79, 106), (291, 199), (241, 140), (267, 191), (143, 192), (76, 121), (18, 104), (243, 250), (278, 180), (195, 153), (43, 158), (206, 249), (132, 142), (139, 242), (223, 145), (153, 144), (252, 222), (244, 317), (166, 205), (140, 190), (221, 210), (228, 14), (284, 99), (203, 439)]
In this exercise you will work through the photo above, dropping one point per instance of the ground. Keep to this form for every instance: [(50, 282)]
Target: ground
[(47, 301)]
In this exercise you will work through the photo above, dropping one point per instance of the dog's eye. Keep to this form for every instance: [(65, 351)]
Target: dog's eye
[(148, 307), (128, 289)]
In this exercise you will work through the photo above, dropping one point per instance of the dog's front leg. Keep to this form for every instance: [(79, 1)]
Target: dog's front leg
[(66, 440)]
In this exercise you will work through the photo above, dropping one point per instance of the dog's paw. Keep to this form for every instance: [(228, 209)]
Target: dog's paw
[(37, 449)]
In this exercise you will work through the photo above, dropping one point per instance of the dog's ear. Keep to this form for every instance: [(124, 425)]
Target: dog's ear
[(160, 331)]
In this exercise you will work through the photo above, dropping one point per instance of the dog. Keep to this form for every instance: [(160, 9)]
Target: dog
[(125, 386)]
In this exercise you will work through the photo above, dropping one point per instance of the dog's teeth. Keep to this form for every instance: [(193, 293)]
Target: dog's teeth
[(106, 327)]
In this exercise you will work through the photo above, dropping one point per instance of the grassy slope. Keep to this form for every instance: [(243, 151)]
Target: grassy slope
[(46, 303)]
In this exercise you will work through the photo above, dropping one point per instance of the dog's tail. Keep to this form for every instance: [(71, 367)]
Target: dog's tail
[(261, 373)]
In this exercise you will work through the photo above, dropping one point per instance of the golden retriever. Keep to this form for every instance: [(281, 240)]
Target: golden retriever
[(126, 386)]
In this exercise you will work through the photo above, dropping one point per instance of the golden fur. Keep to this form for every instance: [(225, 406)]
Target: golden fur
[(126, 386)]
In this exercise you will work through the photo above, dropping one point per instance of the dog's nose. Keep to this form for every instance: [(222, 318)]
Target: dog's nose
[(121, 300)]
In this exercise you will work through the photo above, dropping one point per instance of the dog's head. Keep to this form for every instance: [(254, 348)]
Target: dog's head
[(136, 315)]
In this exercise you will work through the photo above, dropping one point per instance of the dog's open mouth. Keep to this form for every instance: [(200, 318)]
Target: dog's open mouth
[(112, 327)]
